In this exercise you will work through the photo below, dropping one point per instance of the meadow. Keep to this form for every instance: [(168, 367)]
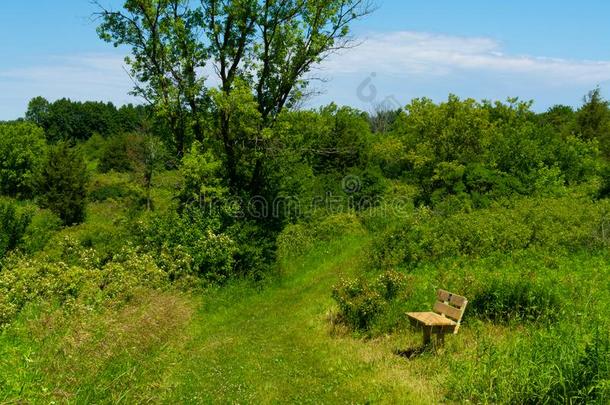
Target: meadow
[(223, 244)]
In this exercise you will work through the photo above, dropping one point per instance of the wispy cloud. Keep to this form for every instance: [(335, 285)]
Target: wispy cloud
[(407, 64), (425, 54), (79, 77)]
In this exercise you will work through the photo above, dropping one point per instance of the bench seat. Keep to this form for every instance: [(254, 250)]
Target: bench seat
[(431, 319), (445, 318)]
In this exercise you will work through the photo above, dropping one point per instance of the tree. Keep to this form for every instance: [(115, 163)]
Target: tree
[(115, 154), (270, 46), (22, 152), (147, 154), (201, 181), (559, 117), (593, 120), (69, 120), (38, 111), (63, 186)]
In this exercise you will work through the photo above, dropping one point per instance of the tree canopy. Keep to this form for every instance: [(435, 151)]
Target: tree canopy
[(264, 49)]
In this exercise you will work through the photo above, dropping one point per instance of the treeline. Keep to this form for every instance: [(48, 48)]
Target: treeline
[(66, 120), (460, 154)]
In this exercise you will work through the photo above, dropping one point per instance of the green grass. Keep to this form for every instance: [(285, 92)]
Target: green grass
[(274, 342), (276, 345), (241, 343)]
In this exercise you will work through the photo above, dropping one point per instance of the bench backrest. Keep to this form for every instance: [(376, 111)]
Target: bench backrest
[(451, 306)]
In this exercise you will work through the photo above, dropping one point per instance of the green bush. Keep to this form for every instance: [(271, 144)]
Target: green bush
[(334, 226), (362, 302), (522, 300), (294, 241), (359, 303), (81, 277), (115, 154), (63, 185), (39, 232), (211, 253), (464, 154), (115, 187), (14, 222), (550, 224), (22, 148)]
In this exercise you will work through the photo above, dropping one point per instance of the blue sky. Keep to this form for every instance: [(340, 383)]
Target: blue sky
[(548, 51)]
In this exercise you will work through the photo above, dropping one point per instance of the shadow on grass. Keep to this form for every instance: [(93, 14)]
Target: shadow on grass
[(412, 352)]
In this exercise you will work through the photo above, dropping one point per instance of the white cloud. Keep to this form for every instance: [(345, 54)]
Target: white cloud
[(81, 77), (407, 64), (416, 53)]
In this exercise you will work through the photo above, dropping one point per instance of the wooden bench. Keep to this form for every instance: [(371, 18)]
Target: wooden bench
[(445, 318)]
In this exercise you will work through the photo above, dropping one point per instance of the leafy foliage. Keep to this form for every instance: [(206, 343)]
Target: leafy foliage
[(66, 120), (466, 154), (23, 149), (361, 302), (14, 222), (115, 154), (63, 185), (520, 301), (551, 224), (83, 278)]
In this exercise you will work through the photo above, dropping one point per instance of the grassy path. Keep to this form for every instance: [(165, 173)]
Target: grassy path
[(275, 346), (239, 344)]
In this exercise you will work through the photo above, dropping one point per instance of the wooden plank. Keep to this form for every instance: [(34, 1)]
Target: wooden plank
[(430, 319), (453, 299), (448, 310)]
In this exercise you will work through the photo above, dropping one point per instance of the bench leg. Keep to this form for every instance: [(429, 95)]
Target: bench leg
[(440, 339), (427, 333)]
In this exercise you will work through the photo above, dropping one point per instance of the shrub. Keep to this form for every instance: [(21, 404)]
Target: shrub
[(81, 277), (392, 285), (294, 241), (13, 224), (115, 187), (22, 148), (253, 248), (211, 252), (359, 303), (127, 272), (63, 186), (362, 302), (337, 225), (521, 300), (115, 154), (549, 224), (41, 229)]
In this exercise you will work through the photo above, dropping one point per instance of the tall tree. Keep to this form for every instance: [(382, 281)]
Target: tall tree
[(593, 118), (268, 46)]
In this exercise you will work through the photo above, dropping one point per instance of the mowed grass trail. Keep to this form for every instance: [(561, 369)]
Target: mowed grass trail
[(275, 345), (242, 343)]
